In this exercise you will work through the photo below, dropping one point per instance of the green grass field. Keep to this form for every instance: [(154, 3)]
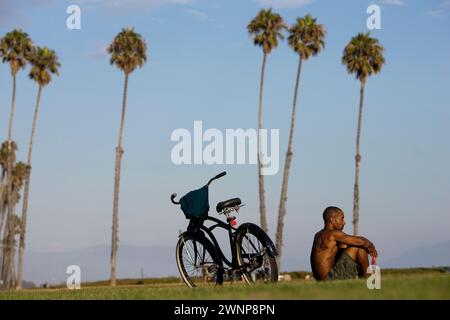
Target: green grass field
[(419, 284)]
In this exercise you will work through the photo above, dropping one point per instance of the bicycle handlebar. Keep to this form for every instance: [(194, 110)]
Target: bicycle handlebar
[(172, 197), (220, 175)]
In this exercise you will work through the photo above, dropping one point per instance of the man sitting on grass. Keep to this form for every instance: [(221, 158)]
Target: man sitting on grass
[(336, 255)]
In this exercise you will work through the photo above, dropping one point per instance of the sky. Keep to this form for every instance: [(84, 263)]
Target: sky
[(203, 66)]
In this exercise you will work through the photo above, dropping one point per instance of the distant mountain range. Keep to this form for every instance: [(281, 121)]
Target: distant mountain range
[(429, 256), (159, 261), (94, 262)]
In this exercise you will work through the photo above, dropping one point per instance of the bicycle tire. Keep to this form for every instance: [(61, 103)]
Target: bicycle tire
[(256, 263), (209, 270)]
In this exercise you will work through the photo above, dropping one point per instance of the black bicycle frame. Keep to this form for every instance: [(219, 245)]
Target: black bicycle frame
[(198, 225)]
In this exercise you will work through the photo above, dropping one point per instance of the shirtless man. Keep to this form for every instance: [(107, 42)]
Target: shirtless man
[(336, 255)]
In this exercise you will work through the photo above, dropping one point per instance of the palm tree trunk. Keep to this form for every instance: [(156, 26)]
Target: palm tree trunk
[(119, 153), (262, 200), (5, 254), (287, 167), (26, 194), (3, 187), (11, 274), (2, 211), (8, 273), (9, 232), (357, 163), (4, 251), (13, 104), (9, 228)]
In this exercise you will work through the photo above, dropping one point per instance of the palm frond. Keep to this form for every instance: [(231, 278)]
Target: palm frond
[(363, 56), (44, 62), (306, 37), (15, 49), (128, 50), (266, 29)]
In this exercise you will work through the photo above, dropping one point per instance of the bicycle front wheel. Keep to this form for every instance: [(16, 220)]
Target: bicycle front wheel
[(197, 262), (256, 263)]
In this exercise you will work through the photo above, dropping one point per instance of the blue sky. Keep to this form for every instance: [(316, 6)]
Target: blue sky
[(203, 66)]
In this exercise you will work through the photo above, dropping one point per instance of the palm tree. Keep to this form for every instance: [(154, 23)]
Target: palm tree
[(266, 29), (363, 57), (9, 237), (9, 241), (44, 63), (306, 38), (128, 51), (4, 156), (16, 47), (8, 158)]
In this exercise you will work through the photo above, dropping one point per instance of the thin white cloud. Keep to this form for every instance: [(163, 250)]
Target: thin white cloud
[(198, 14), (394, 2), (444, 7), (132, 4), (283, 4), (12, 12), (98, 50), (435, 13)]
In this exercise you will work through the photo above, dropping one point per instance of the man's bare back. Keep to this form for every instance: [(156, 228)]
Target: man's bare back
[(333, 250)]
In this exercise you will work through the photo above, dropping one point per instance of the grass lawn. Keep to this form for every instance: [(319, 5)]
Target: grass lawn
[(421, 285)]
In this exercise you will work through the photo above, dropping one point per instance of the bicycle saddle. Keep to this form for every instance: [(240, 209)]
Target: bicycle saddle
[(227, 204)]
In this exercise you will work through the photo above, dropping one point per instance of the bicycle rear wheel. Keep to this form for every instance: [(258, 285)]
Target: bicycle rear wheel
[(257, 265), (197, 261)]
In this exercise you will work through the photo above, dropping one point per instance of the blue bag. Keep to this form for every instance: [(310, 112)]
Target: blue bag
[(195, 204)]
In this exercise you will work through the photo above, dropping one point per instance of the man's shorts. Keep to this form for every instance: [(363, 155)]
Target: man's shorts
[(345, 268)]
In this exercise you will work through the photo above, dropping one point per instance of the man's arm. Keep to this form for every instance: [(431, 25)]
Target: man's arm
[(355, 241)]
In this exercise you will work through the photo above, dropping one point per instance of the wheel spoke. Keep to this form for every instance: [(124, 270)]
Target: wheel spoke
[(189, 255), (196, 263), (253, 257)]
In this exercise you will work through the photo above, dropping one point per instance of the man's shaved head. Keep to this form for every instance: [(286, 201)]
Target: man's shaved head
[(331, 212)]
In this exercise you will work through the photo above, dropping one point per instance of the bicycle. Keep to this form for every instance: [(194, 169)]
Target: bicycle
[(201, 261)]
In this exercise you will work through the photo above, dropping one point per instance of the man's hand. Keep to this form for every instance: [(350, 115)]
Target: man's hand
[(372, 251)]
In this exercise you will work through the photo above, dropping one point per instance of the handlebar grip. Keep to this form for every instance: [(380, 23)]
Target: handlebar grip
[(172, 197), (220, 175)]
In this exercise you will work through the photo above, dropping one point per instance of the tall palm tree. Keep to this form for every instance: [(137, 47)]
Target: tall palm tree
[(363, 57), (128, 51), (4, 156), (306, 38), (44, 63), (16, 48), (8, 155), (9, 237), (266, 29)]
